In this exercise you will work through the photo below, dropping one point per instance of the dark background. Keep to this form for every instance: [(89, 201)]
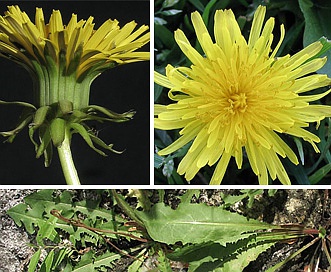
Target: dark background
[(120, 89)]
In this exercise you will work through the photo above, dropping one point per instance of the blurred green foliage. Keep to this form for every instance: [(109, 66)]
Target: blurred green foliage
[(305, 21)]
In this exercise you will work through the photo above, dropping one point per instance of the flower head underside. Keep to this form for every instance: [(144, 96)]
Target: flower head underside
[(238, 98), (77, 46)]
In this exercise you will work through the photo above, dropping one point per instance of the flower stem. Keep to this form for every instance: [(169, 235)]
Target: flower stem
[(68, 167)]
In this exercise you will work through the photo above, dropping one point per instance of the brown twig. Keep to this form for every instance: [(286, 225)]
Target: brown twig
[(78, 223), (97, 231)]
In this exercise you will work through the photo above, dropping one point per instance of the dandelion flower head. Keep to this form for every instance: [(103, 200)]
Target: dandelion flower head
[(238, 98)]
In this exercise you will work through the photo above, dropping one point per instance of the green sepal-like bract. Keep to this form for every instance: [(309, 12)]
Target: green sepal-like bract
[(45, 140), (24, 119), (65, 107), (40, 116), (52, 121), (111, 116), (57, 130)]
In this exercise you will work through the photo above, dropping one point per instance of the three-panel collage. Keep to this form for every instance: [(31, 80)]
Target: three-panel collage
[(165, 135)]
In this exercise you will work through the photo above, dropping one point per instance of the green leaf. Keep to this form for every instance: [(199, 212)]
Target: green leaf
[(35, 215), (164, 137), (207, 11), (238, 264), (159, 21), (34, 261), (163, 262), (210, 256), (320, 174), (175, 178), (165, 35), (87, 264), (231, 199), (134, 267), (318, 21), (169, 3), (297, 171), (196, 223), (197, 4), (326, 46), (60, 256), (47, 230), (36, 211), (234, 256), (127, 208), (251, 193), (187, 197), (158, 161), (67, 268), (170, 12), (29, 218), (242, 22), (242, 260), (47, 263), (324, 134), (30, 213), (168, 167), (298, 143)]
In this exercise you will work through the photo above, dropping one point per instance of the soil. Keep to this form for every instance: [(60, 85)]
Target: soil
[(285, 207), (14, 249)]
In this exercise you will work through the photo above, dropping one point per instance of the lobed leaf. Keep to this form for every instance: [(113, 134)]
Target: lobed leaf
[(35, 212), (88, 264)]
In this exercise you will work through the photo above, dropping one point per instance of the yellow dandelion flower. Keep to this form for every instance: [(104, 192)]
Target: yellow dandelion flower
[(239, 97), (63, 60)]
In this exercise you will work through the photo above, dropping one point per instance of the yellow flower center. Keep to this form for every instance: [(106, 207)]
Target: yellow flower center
[(237, 103)]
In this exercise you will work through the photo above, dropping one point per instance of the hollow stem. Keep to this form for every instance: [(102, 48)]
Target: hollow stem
[(68, 167)]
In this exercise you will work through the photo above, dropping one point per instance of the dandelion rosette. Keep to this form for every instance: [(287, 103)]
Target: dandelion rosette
[(63, 60), (238, 98)]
